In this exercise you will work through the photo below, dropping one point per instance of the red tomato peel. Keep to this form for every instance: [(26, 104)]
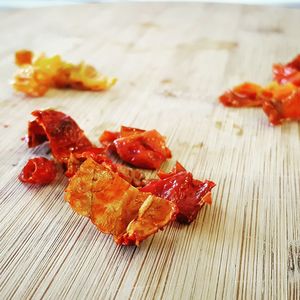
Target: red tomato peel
[(140, 148), (289, 72), (38, 170), (244, 95), (181, 188), (63, 133), (281, 102)]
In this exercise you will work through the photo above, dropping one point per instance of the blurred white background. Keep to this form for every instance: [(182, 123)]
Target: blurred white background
[(32, 3)]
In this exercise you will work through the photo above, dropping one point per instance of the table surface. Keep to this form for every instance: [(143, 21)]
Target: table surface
[(172, 62)]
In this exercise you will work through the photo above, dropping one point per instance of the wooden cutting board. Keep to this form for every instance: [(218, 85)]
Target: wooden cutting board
[(172, 62)]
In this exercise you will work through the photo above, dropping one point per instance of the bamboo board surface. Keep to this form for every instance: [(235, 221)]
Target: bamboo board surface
[(172, 61)]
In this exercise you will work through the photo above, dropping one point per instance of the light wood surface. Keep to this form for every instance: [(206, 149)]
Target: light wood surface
[(172, 61)]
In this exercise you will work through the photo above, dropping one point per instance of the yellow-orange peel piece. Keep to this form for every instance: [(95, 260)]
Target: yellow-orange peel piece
[(115, 206), (38, 74)]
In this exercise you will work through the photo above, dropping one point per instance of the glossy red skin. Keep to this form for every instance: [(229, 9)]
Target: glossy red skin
[(288, 73), (38, 170), (108, 137), (179, 187), (140, 148), (244, 95), (282, 107), (63, 133), (279, 102)]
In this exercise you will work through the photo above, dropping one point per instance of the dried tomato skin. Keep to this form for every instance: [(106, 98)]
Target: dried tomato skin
[(108, 137), (281, 102), (127, 131), (38, 170), (135, 153), (36, 76), (289, 72), (244, 95), (23, 57), (78, 157), (187, 193), (63, 133), (36, 134), (140, 148), (115, 206), (99, 155)]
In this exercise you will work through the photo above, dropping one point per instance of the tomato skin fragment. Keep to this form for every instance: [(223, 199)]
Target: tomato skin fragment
[(78, 157), (70, 146), (289, 72), (38, 170), (63, 133), (115, 206), (23, 57), (181, 188), (108, 137), (140, 148), (243, 95), (99, 155), (38, 74), (281, 102)]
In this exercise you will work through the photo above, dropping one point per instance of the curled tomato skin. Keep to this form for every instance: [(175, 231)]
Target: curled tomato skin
[(140, 148), (281, 102), (115, 206), (38, 170), (179, 187), (23, 57), (99, 155), (108, 137), (63, 133), (78, 157), (289, 72), (36, 76), (243, 95)]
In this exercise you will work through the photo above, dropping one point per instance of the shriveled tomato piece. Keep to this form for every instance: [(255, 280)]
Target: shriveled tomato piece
[(23, 57), (181, 188), (115, 206), (281, 102), (140, 148), (36, 76), (78, 157), (153, 215), (63, 133), (244, 95), (107, 137), (86, 77), (128, 131), (289, 72), (134, 177), (38, 170), (36, 134)]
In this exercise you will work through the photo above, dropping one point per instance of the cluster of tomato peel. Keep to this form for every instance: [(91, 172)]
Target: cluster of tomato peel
[(38, 74), (280, 100), (116, 198)]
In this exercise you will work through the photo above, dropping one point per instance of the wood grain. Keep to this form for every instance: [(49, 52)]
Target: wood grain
[(172, 61)]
